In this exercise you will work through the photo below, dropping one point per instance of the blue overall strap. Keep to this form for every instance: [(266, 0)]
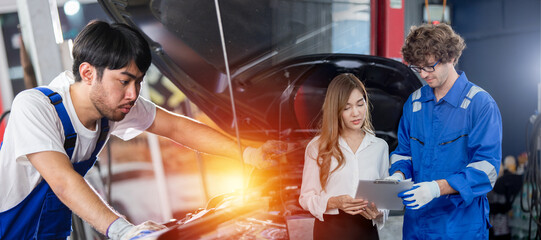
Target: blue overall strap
[(69, 132)]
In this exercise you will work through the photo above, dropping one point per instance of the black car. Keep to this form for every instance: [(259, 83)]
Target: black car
[(280, 58)]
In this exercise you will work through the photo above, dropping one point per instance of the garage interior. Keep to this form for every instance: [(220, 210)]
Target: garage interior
[(152, 178)]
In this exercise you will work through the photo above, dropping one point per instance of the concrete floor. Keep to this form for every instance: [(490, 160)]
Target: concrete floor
[(392, 229)]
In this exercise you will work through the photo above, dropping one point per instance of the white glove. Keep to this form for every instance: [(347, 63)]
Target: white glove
[(266, 155), (397, 176), (121, 229), (420, 194), (255, 157)]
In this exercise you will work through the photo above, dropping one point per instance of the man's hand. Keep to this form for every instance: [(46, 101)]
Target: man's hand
[(347, 204), (121, 229), (266, 155), (420, 194)]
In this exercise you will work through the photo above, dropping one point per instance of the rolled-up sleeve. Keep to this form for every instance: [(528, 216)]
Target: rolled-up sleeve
[(484, 145), (312, 197)]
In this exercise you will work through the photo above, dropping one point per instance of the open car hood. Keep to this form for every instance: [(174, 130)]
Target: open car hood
[(279, 75), (275, 95)]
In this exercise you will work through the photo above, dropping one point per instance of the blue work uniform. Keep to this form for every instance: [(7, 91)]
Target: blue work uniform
[(41, 215), (459, 139)]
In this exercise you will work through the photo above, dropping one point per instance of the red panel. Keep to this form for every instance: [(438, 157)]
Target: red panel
[(390, 28), (373, 26)]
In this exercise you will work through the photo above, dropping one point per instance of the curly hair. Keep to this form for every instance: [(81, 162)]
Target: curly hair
[(439, 41)]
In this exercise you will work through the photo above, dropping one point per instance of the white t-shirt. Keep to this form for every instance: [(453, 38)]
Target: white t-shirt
[(369, 162), (34, 126)]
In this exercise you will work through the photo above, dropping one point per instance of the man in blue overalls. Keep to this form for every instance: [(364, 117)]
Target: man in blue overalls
[(449, 142), (54, 134)]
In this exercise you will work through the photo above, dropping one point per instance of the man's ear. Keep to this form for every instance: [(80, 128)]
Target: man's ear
[(87, 72)]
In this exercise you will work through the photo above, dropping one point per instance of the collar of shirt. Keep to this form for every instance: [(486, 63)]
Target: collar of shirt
[(60, 80), (367, 140), (453, 97)]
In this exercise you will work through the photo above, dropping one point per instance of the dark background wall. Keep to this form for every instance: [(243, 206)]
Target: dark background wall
[(502, 56)]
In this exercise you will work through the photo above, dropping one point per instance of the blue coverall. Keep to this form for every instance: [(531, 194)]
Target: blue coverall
[(458, 139), (41, 215)]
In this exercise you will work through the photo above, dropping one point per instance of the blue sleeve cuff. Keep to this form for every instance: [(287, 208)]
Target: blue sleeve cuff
[(458, 182), (469, 183)]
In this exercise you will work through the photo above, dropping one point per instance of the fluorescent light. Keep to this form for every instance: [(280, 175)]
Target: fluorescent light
[(72, 7)]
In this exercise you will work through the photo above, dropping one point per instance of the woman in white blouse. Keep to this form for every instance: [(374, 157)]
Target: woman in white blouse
[(345, 151)]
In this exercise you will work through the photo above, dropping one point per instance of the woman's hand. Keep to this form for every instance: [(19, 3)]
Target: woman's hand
[(371, 212), (347, 204)]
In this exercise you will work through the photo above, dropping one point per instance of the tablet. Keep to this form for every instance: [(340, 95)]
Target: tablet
[(383, 192)]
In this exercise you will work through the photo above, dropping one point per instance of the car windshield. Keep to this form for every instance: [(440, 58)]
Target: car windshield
[(262, 41)]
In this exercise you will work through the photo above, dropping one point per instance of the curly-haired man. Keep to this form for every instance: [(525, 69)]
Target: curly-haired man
[(450, 138)]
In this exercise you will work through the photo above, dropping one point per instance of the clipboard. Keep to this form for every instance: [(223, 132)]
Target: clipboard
[(383, 192)]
